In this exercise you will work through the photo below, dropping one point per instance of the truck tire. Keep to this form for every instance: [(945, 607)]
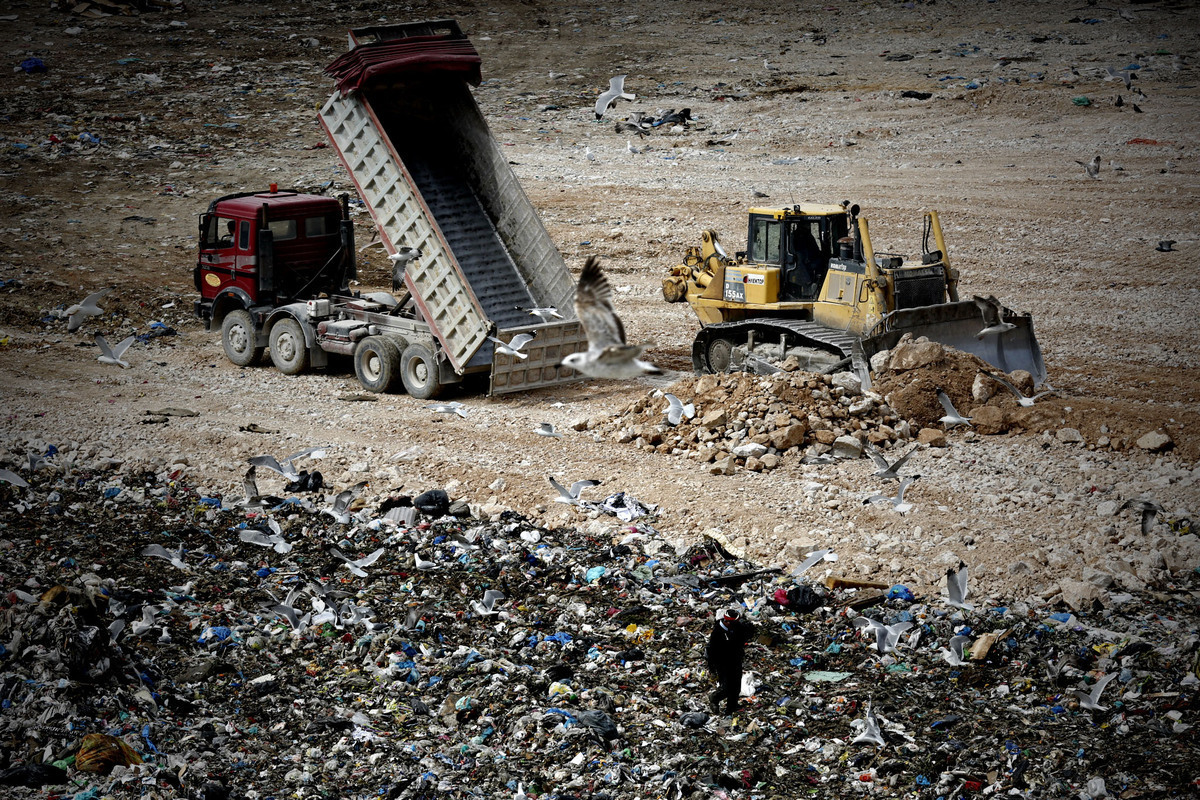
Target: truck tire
[(419, 372), (289, 353), (720, 354), (238, 337), (377, 363)]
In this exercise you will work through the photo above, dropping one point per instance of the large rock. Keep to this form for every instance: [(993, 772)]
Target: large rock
[(715, 418), (913, 355), (726, 466), (749, 449), (932, 437), (848, 382), (1069, 436), (982, 389), (989, 420), (847, 447), (879, 361), (1081, 595), (1155, 441), (789, 437)]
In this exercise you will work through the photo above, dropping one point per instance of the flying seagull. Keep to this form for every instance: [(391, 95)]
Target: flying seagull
[(547, 429), (570, 496), (993, 316), (1092, 168), (888, 471), (341, 504), (808, 563), (1121, 75), (423, 564), (1021, 398), (607, 356), (112, 355), (400, 260), (956, 587), (870, 733), (954, 655), (546, 313), (513, 347), (952, 417), (78, 313), (273, 540), (616, 89), (356, 566), (488, 606), (898, 501), (453, 407), (8, 476), (175, 557), (677, 409), (1091, 700), (285, 467), (1150, 511), (886, 636)]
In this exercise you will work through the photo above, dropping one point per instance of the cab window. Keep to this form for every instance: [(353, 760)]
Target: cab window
[(320, 226), (244, 235), (223, 232), (765, 240), (282, 229)]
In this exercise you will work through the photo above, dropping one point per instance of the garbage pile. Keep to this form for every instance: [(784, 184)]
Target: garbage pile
[(160, 641)]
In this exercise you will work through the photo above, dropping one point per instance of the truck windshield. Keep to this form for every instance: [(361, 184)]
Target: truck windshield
[(765, 240)]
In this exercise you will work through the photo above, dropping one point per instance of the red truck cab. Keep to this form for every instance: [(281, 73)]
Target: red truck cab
[(263, 249)]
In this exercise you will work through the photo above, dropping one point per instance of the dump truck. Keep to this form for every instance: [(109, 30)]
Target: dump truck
[(276, 267), (810, 285)]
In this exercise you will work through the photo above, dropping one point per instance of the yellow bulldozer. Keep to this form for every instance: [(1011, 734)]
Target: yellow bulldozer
[(810, 285)]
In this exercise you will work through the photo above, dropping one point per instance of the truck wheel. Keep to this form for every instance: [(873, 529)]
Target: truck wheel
[(720, 355), (237, 338), (419, 372), (289, 353), (377, 363)]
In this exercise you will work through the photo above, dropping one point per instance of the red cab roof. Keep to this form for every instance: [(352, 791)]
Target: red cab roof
[(282, 204)]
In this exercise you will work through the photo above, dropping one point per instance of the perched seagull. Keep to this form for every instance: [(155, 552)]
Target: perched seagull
[(546, 313), (952, 417), (607, 356), (1092, 168), (870, 733), (633, 150), (513, 347), (886, 636), (588, 154), (888, 471), (78, 313), (1021, 398), (286, 468), (807, 564), (993, 320), (341, 504), (175, 557), (1150, 511), (571, 496), (488, 606), (8, 476), (956, 587), (453, 407), (616, 89), (112, 355), (677, 409), (547, 429), (1091, 700), (422, 564), (356, 567), (954, 655), (400, 260), (898, 501)]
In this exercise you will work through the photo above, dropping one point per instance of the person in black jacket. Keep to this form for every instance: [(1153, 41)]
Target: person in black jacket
[(725, 652)]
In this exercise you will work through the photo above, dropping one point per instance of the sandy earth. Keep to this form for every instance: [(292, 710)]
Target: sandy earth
[(190, 104)]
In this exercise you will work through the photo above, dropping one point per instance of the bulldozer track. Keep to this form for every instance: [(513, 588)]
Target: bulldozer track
[(799, 332)]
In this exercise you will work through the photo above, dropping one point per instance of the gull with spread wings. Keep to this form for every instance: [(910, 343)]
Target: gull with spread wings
[(607, 356)]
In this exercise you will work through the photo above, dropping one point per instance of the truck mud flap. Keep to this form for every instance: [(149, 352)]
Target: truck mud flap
[(956, 325), (540, 367)]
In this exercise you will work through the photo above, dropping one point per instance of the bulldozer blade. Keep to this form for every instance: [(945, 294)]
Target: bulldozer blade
[(958, 325)]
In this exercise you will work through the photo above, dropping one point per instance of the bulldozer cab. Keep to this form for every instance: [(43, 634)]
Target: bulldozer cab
[(800, 244)]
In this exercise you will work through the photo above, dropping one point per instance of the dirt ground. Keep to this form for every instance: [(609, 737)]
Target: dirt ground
[(140, 120)]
